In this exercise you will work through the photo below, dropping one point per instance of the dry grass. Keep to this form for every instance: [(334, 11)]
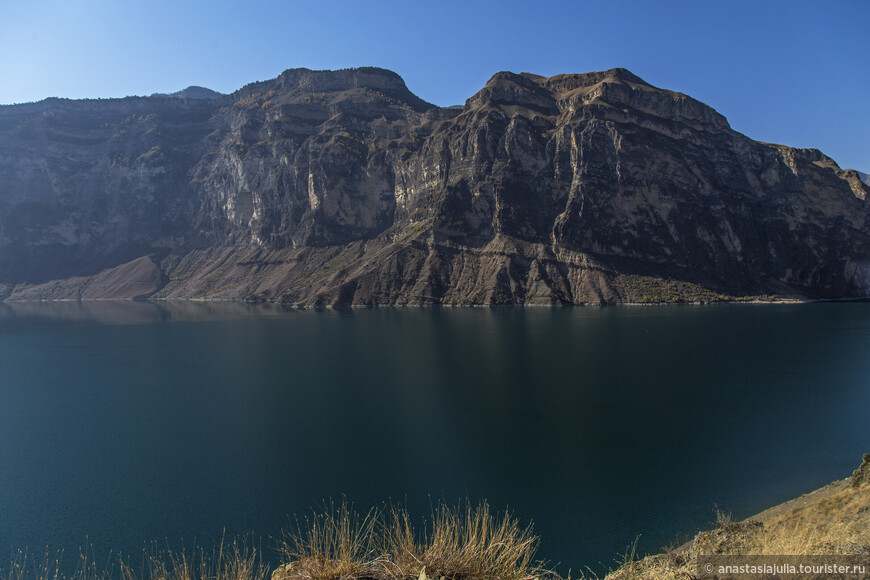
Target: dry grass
[(227, 561), (473, 543), (838, 524), (334, 543), (464, 543), (834, 523), (457, 544)]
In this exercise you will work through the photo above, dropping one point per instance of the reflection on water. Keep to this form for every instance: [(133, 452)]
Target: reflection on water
[(129, 422), (133, 311)]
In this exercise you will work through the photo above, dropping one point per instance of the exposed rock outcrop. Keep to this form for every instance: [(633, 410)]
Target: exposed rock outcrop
[(342, 187), (861, 476)]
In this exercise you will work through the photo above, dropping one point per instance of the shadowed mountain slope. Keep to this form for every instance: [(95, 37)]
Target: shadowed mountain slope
[(342, 187)]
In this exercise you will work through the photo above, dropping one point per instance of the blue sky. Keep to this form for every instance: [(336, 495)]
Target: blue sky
[(793, 72)]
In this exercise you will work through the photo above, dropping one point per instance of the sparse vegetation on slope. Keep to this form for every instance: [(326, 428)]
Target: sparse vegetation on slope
[(834, 520)]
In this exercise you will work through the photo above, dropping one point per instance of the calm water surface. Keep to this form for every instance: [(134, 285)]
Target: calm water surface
[(126, 423)]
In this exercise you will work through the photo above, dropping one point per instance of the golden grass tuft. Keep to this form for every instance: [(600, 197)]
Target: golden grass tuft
[(461, 543), (335, 543)]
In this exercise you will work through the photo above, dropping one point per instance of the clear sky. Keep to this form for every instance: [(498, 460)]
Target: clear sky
[(795, 72)]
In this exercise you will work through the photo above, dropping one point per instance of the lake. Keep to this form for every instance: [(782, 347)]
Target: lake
[(123, 424)]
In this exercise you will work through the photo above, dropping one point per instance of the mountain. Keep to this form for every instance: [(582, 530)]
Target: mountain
[(864, 177), (192, 92), (342, 187)]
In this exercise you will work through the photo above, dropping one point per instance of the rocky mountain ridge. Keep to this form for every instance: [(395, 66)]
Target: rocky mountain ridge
[(342, 187), (192, 92)]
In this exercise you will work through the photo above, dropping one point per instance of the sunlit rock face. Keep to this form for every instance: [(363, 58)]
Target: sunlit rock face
[(342, 187)]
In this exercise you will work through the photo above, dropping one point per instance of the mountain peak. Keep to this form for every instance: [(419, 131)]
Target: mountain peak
[(563, 83), (624, 74), (191, 92), (309, 84), (341, 80)]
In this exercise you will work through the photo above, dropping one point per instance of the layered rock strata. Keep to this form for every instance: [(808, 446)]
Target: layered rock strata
[(324, 188)]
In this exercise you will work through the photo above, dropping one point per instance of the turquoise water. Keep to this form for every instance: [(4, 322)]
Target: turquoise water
[(127, 423)]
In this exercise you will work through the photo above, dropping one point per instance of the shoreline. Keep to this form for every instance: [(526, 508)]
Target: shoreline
[(302, 306)]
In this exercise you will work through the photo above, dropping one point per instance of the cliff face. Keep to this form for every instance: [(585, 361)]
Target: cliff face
[(323, 188)]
